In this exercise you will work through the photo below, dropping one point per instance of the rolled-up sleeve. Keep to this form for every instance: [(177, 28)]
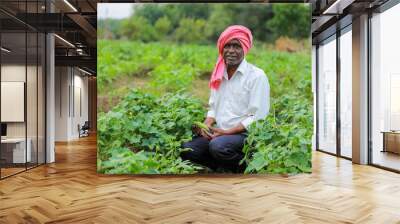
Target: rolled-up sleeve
[(211, 105), (258, 107)]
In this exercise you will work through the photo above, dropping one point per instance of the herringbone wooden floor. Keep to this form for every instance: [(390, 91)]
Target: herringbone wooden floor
[(70, 191)]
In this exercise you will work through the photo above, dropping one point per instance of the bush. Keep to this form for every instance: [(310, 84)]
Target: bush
[(287, 44), (138, 28), (143, 134), (190, 31), (162, 26), (281, 143), (291, 20)]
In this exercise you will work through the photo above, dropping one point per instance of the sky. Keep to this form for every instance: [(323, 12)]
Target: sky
[(114, 10)]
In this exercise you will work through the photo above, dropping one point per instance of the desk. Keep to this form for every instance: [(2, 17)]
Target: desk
[(391, 141), (15, 148)]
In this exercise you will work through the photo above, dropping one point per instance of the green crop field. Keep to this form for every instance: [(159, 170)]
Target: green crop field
[(159, 90)]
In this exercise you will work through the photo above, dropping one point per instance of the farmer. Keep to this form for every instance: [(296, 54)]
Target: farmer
[(239, 96)]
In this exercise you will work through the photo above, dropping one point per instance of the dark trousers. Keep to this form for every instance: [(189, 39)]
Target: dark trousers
[(224, 151)]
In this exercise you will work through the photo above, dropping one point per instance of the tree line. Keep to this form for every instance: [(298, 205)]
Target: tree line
[(202, 23)]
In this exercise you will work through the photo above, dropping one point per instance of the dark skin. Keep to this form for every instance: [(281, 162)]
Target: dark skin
[(233, 55)]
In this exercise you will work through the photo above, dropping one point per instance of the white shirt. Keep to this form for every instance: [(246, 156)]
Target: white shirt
[(242, 99)]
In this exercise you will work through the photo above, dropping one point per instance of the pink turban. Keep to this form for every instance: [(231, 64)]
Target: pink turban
[(245, 38)]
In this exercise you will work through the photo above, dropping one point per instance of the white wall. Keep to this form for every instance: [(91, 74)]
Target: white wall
[(33, 127), (70, 83), (14, 72), (80, 100), (62, 81)]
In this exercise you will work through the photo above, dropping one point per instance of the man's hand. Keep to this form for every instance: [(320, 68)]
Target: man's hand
[(206, 134), (209, 121), (218, 132), (235, 130), (200, 132)]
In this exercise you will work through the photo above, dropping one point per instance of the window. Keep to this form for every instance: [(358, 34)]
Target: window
[(327, 96), (346, 93), (385, 88), (23, 87)]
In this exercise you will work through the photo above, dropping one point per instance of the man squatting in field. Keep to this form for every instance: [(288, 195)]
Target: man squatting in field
[(239, 96)]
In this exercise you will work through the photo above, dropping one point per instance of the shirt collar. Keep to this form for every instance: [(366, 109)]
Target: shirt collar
[(240, 70), (242, 67)]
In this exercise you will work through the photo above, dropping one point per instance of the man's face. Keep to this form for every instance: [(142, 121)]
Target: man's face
[(233, 53)]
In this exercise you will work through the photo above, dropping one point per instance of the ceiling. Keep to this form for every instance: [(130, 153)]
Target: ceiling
[(328, 16), (74, 22)]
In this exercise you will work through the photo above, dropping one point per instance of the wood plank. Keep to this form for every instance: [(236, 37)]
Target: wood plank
[(70, 191)]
